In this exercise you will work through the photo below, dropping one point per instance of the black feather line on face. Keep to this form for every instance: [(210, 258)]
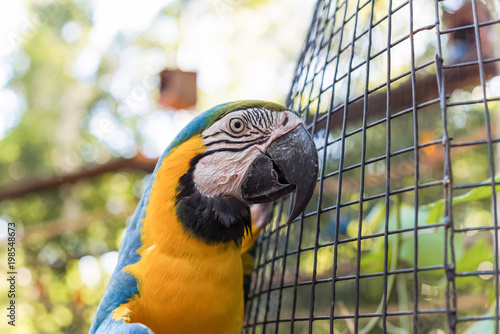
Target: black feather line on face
[(214, 220), (226, 141)]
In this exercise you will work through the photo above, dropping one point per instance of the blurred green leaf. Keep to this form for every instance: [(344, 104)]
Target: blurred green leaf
[(431, 245), (486, 326), (479, 252), (436, 209)]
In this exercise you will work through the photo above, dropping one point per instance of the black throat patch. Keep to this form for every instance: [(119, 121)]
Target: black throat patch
[(215, 220)]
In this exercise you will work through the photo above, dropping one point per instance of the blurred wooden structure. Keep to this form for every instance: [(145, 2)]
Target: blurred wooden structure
[(177, 89)]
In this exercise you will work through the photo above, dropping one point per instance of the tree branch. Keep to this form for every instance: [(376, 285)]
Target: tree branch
[(139, 162)]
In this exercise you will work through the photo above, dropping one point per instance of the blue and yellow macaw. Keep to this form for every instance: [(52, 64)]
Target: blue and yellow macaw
[(180, 264)]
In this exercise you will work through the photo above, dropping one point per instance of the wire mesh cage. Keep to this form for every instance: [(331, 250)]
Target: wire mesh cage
[(401, 235)]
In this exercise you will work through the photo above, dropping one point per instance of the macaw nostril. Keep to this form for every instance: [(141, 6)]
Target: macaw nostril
[(280, 175)]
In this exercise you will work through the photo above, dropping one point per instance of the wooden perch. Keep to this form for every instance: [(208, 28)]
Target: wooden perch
[(139, 162), (401, 94)]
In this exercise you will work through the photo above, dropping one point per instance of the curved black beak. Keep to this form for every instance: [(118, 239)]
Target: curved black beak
[(290, 163)]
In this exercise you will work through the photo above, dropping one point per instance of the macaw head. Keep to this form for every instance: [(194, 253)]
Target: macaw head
[(254, 152)]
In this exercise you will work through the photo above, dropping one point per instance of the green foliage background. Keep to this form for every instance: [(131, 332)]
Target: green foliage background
[(63, 122)]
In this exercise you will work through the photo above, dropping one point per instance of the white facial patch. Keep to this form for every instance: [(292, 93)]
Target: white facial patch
[(231, 148)]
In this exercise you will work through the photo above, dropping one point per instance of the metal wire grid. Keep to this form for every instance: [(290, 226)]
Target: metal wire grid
[(349, 44)]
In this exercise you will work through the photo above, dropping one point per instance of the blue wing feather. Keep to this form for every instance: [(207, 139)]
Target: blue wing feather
[(122, 286)]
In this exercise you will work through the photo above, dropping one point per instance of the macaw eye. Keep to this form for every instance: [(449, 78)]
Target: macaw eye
[(236, 125)]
